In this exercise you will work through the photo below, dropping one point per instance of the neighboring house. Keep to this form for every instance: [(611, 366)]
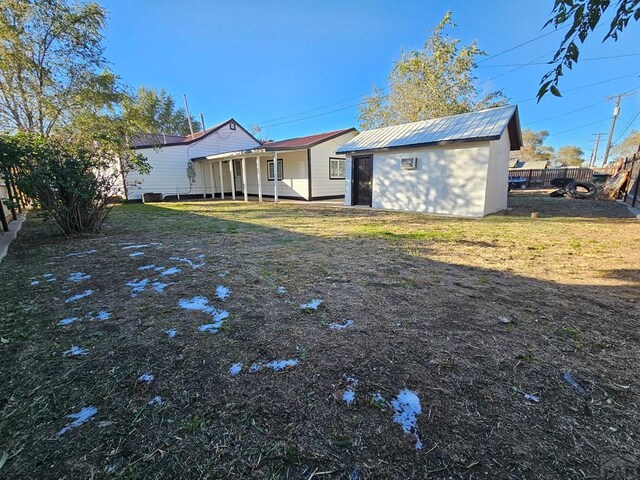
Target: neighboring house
[(532, 165), (308, 168), (173, 174), (455, 165)]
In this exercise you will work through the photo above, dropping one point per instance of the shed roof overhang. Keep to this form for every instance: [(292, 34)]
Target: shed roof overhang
[(254, 152)]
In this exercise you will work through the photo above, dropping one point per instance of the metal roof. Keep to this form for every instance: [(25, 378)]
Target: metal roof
[(484, 125)]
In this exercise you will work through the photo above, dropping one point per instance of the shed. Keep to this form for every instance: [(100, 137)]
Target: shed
[(456, 165)]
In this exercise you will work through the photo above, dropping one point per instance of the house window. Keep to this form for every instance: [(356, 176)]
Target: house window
[(337, 168), (270, 170)]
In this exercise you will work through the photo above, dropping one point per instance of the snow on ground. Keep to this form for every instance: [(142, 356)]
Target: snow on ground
[(79, 296), (156, 401), (170, 271), (171, 332), (78, 277), (137, 286), (200, 303), (341, 326), (407, 408), (136, 254), (222, 292), (84, 415), (146, 378), (74, 351), (312, 305), (188, 261), (282, 290), (102, 315), (235, 369), (275, 365), (81, 254)]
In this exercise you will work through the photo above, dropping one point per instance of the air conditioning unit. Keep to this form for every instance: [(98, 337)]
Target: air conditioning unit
[(409, 163)]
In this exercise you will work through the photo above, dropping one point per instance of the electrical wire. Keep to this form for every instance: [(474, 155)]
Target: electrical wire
[(547, 63), (628, 125), (580, 127)]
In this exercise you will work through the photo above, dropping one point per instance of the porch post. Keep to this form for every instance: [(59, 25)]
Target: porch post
[(221, 180), (259, 179), (213, 186), (275, 177), (244, 179), (233, 180), (204, 183)]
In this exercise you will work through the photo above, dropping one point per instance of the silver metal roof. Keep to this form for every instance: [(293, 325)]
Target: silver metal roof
[(475, 126)]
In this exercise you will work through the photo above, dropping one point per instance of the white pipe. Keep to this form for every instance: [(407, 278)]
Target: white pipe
[(259, 179), (233, 180), (275, 177), (221, 181), (244, 179)]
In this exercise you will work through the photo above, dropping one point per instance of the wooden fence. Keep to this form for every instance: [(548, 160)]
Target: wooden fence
[(630, 191), (542, 178)]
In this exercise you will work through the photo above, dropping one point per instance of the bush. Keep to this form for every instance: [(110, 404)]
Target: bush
[(72, 182)]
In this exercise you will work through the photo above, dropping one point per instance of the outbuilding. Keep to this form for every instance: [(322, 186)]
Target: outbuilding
[(456, 165)]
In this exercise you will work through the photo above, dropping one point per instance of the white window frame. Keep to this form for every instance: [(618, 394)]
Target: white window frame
[(344, 167), (270, 171)]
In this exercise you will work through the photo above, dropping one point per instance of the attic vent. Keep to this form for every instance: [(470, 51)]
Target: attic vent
[(409, 163), (232, 125)]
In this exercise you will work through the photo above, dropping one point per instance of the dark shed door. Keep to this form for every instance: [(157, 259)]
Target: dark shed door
[(362, 180)]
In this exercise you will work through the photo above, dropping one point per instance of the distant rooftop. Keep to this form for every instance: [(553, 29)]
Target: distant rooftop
[(483, 125), (304, 142)]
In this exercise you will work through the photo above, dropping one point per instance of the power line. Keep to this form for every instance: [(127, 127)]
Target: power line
[(580, 127), (518, 67), (548, 63), (583, 86), (628, 125), (522, 44), (566, 113)]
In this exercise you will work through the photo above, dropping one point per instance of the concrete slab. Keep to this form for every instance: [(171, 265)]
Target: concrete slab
[(7, 237)]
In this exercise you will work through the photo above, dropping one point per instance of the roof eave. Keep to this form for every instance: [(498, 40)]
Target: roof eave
[(425, 144)]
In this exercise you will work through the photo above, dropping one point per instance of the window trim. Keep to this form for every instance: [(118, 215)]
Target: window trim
[(280, 170), (345, 168)]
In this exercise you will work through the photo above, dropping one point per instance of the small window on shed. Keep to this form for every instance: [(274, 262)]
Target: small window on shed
[(337, 168)]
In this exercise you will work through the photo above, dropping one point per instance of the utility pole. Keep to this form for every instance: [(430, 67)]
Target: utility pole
[(616, 112), (594, 156)]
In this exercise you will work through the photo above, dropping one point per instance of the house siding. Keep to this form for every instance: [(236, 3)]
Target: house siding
[(169, 164), (321, 185), (498, 175)]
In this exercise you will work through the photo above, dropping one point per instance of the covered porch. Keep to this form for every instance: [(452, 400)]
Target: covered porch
[(254, 173)]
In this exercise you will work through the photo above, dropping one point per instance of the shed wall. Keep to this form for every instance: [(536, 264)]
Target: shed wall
[(321, 185)]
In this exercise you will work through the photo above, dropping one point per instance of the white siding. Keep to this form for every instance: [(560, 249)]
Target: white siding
[(294, 181), (449, 180), (321, 185), (169, 164), (498, 175)]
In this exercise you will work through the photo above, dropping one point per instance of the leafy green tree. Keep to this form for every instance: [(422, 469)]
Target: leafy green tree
[(433, 82), (570, 156), (154, 111), (582, 17), (533, 148), (52, 63), (629, 146)]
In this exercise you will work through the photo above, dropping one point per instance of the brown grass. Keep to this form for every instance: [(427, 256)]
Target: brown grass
[(426, 295)]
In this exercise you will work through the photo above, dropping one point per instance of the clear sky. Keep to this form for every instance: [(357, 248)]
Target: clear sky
[(301, 67)]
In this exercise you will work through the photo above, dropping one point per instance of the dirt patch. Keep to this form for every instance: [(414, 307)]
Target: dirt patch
[(470, 315)]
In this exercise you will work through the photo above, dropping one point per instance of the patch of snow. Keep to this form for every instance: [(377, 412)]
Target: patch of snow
[(170, 271), (35, 282), (187, 261), (146, 378), (282, 290), (81, 254), (222, 292), (48, 275), (104, 424), (223, 274), (156, 401), (68, 321), (159, 286), (78, 277), (147, 267), (312, 305), (235, 369), (137, 247), (136, 254), (171, 332), (102, 315), (137, 286), (341, 326), (78, 296), (352, 380), (349, 396), (275, 365), (74, 351), (201, 304), (158, 269), (407, 408), (81, 417), (202, 255)]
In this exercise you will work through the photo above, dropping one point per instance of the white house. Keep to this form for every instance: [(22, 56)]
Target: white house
[(306, 168), (457, 165), (173, 174)]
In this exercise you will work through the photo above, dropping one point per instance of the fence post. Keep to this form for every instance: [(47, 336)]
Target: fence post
[(529, 178)]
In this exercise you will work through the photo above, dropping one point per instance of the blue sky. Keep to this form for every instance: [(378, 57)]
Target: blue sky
[(278, 63)]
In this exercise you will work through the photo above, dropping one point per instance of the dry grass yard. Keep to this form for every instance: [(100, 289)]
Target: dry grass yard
[(478, 320)]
